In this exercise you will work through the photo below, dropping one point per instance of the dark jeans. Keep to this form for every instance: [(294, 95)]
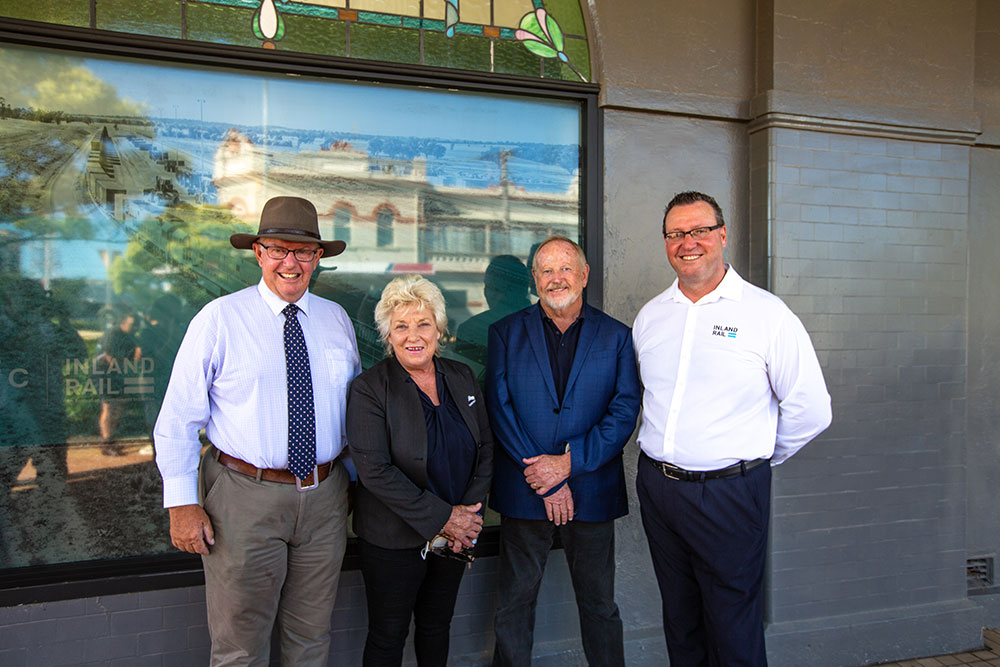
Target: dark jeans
[(400, 585), (708, 542), (590, 553)]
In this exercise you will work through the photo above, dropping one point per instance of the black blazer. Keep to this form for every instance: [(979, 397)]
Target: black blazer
[(387, 435)]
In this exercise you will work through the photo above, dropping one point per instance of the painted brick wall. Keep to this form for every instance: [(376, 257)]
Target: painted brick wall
[(868, 245), (156, 628), (167, 628)]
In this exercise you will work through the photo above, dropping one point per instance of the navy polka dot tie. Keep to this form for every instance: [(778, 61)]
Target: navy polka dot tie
[(301, 412)]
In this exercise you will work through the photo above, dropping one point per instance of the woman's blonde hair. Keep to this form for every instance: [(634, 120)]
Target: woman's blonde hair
[(411, 291)]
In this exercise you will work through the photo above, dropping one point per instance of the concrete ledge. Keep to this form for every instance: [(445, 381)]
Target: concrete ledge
[(634, 97), (803, 111), (990, 138), (882, 636), (856, 639), (644, 647)]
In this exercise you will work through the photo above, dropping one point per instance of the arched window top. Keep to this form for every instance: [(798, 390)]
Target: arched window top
[(535, 38), (343, 211)]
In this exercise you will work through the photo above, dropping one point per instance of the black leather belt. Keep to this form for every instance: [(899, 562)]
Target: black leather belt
[(673, 472)]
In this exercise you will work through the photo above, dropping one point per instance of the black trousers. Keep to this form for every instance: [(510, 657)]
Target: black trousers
[(590, 553), (400, 585), (708, 541)]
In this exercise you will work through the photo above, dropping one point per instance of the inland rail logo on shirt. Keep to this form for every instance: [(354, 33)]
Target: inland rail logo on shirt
[(724, 331)]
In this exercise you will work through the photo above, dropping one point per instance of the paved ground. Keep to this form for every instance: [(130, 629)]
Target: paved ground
[(984, 658), (987, 657)]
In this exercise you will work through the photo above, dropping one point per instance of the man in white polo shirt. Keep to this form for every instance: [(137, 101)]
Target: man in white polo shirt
[(732, 387)]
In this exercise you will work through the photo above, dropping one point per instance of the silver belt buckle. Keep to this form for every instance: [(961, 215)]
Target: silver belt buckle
[(667, 472), (302, 488)]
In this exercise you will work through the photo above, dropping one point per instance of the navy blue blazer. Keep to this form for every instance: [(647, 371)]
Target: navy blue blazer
[(596, 418)]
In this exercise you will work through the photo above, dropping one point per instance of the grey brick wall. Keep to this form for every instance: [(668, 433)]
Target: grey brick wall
[(868, 245), (167, 628), (157, 628), (982, 440)]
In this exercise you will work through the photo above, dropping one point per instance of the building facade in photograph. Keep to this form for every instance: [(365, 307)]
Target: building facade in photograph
[(853, 146)]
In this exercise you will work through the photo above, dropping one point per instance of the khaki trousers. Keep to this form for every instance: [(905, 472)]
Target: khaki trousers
[(276, 558)]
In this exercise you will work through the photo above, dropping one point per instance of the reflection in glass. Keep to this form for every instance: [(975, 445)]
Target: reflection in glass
[(384, 230), (342, 224), (120, 183), (506, 287)]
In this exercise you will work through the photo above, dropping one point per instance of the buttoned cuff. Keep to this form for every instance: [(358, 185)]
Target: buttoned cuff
[(179, 491)]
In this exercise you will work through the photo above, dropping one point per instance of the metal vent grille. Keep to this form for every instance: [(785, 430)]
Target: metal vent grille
[(979, 574)]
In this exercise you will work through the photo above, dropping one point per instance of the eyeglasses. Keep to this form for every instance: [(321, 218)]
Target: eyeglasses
[(438, 546), (697, 233), (280, 252)]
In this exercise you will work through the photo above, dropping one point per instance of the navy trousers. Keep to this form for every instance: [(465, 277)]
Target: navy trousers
[(708, 541)]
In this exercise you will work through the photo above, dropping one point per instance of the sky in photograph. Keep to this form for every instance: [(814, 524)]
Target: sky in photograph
[(90, 85)]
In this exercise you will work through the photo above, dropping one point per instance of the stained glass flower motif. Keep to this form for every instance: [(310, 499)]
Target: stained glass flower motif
[(268, 24), (450, 17), (541, 35)]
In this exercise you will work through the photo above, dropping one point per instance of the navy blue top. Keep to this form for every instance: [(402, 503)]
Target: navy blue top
[(451, 448), (562, 350)]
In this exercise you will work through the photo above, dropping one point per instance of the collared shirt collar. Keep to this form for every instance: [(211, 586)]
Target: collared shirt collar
[(550, 322), (731, 287), (276, 304)]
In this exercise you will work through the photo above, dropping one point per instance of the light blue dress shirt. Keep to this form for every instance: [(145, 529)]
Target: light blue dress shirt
[(229, 378)]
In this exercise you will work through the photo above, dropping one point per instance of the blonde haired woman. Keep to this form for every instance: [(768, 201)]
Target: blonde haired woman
[(421, 442)]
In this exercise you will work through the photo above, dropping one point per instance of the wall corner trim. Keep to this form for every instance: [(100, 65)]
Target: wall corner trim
[(782, 109)]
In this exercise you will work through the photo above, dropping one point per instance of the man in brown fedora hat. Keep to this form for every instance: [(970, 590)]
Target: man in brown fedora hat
[(265, 372)]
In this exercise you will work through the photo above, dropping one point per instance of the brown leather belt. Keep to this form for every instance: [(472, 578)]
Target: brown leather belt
[(272, 474)]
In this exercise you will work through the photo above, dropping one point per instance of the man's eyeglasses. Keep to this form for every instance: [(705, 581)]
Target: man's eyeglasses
[(280, 252), (697, 233)]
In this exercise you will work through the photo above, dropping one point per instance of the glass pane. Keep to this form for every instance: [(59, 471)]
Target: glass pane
[(342, 224), (120, 183), (384, 232)]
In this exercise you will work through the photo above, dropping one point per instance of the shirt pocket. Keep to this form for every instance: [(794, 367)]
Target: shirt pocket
[(340, 364)]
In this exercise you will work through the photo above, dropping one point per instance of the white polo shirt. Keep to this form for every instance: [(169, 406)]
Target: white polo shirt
[(732, 377)]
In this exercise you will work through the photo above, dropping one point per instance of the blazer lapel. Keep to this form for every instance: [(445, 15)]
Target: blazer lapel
[(536, 337), (588, 334), (406, 414), (462, 393)]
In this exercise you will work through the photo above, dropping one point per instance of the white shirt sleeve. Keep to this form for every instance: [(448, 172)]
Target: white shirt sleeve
[(797, 381), (185, 411)]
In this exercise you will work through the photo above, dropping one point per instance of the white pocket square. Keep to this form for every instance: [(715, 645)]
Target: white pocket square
[(472, 401)]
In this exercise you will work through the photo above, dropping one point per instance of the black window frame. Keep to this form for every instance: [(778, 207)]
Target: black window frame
[(66, 581)]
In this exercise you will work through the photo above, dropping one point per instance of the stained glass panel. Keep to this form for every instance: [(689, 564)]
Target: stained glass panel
[(328, 26), (326, 3), (508, 14), (476, 11), (401, 7)]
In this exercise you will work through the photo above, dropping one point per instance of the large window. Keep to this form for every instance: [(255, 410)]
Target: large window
[(120, 183)]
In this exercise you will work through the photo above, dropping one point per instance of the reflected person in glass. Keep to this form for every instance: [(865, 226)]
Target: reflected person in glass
[(422, 445), (118, 347), (505, 286)]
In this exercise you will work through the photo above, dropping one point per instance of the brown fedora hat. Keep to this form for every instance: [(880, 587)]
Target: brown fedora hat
[(288, 219)]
